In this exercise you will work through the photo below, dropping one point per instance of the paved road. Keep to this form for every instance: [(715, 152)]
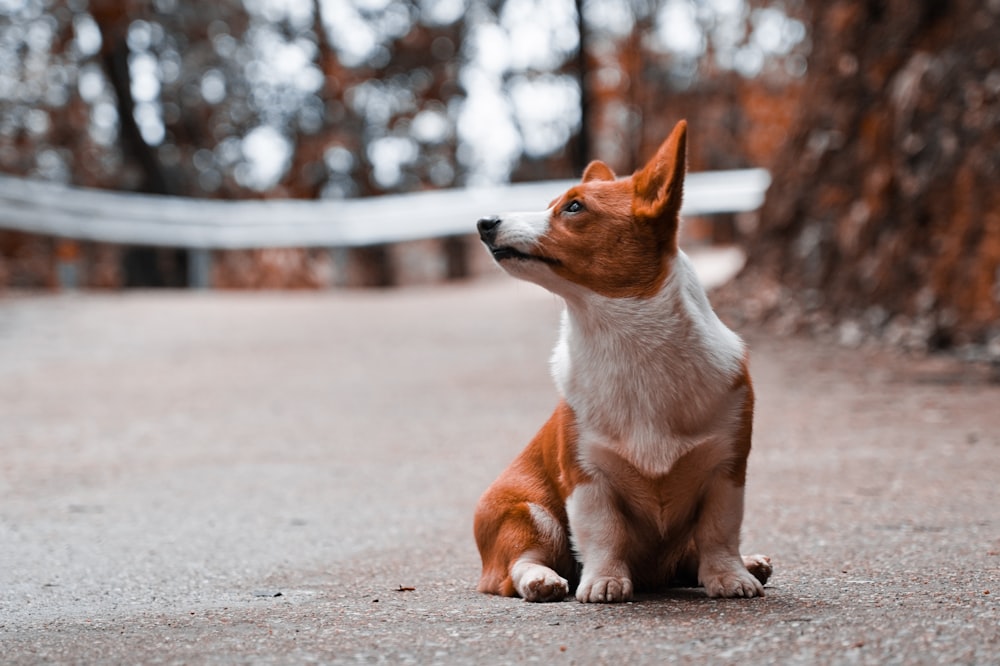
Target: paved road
[(230, 478)]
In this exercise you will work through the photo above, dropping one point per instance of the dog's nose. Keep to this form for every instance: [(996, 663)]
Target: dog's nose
[(488, 227)]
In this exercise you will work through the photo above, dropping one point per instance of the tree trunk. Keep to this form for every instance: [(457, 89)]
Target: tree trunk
[(883, 217), (142, 266)]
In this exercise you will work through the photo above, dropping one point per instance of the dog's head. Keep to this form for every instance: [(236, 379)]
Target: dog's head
[(614, 237)]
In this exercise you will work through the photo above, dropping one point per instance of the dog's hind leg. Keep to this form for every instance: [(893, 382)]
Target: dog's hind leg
[(535, 581), (524, 548), (759, 566)]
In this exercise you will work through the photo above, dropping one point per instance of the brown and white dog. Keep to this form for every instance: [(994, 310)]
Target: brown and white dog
[(637, 478)]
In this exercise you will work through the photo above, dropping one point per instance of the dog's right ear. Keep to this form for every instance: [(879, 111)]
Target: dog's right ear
[(659, 186), (598, 170)]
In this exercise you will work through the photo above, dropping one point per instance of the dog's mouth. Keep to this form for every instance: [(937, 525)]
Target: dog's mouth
[(507, 253)]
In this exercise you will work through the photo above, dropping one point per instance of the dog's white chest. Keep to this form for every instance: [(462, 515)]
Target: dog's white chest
[(650, 379)]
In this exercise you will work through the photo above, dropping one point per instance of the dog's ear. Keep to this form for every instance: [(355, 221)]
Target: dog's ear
[(598, 170), (659, 186)]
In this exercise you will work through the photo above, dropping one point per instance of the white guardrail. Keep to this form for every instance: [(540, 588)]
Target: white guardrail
[(209, 224)]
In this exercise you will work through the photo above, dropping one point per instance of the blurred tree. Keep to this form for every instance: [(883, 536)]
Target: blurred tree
[(884, 213), (733, 69), (142, 266), (347, 98), (113, 18)]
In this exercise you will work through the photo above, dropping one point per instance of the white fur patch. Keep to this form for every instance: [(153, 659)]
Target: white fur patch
[(537, 582), (522, 230), (597, 536), (547, 525), (639, 371), (596, 529)]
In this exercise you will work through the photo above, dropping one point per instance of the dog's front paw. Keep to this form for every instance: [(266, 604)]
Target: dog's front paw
[(604, 590), (737, 583), (759, 566), (540, 583)]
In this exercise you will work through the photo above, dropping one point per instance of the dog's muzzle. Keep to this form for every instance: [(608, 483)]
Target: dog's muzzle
[(489, 229)]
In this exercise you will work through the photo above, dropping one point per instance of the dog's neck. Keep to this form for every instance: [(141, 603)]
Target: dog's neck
[(647, 373)]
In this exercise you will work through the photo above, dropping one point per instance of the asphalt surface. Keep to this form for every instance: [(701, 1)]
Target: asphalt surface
[(228, 478)]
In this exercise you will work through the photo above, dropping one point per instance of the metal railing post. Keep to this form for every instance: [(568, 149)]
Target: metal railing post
[(199, 268)]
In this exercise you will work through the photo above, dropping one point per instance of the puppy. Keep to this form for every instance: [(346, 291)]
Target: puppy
[(636, 480)]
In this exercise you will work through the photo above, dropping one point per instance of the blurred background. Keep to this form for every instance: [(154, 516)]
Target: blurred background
[(879, 121)]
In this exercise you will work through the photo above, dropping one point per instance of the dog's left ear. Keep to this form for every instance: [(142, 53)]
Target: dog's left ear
[(659, 186), (598, 170)]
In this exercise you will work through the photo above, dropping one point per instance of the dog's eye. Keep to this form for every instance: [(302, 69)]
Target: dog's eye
[(573, 206)]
